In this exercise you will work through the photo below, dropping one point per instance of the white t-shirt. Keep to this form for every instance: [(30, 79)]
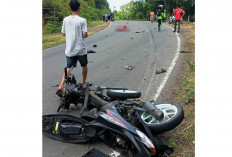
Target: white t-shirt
[(73, 27)]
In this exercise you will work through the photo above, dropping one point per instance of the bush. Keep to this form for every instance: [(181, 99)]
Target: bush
[(191, 65), (189, 83), (54, 28), (189, 89)]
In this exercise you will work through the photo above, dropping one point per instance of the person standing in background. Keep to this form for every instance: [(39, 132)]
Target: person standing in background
[(164, 15), (152, 16), (106, 17), (179, 13)]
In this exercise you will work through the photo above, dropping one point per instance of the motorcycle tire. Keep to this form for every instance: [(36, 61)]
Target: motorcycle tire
[(167, 123), (49, 124), (123, 94)]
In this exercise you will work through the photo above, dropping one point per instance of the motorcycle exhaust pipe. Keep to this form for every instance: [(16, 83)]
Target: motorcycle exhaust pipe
[(153, 110)]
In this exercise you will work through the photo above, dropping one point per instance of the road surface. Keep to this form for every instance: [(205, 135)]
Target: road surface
[(142, 47)]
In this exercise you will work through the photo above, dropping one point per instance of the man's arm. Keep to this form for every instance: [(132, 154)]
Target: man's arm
[(63, 29), (183, 13), (84, 29)]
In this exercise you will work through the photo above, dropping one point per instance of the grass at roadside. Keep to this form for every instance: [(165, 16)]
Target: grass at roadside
[(54, 40), (182, 138), (50, 40), (92, 24)]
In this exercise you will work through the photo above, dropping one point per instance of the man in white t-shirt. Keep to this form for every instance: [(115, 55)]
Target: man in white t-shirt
[(75, 30)]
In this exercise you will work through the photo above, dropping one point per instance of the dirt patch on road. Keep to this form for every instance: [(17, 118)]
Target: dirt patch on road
[(98, 28)]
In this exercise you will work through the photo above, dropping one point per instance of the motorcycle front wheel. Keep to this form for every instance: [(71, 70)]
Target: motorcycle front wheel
[(173, 116)]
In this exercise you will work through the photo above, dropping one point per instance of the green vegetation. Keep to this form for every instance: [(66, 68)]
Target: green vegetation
[(95, 23), (141, 10), (189, 89), (50, 41), (54, 12), (182, 138)]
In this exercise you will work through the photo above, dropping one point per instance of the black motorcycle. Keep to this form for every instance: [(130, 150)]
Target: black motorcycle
[(114, 114)]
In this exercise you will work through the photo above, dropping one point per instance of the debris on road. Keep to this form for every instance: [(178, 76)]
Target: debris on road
[(128, 67), (137, 32), (160, 71), (94, 153), (132, 38), (91, 51), (185, 52), (94, 45)]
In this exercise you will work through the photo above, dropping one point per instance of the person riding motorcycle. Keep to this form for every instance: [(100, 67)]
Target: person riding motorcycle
[(159, 18)]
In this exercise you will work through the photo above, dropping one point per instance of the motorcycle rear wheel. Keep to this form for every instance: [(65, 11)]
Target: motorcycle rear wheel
[(173, 116)]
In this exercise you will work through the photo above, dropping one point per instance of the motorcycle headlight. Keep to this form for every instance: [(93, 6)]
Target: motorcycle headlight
[(147, 142)]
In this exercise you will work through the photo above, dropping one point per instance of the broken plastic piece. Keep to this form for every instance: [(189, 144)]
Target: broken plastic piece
[(160, 71), (91, 51), (128, 67), (95, 153)]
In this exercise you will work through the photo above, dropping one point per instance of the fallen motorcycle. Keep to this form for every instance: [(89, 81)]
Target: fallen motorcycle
[(114, 114)]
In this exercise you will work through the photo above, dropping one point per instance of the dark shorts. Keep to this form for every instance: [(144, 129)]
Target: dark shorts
[(72, 61)]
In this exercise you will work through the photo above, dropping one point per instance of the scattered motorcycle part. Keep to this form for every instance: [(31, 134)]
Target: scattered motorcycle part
[(128, 67), (160, 71), (95, 153), (91, 51)]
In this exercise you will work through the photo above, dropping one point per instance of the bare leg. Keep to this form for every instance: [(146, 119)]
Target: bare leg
[(62, 80), (84, 73)]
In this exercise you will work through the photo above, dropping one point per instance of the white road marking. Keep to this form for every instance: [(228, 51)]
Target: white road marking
[(169, 71)]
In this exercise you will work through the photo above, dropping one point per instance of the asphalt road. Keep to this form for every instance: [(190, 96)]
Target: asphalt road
[(143, 47)]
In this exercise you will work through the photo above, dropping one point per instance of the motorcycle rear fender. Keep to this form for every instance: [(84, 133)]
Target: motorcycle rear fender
[(142, 151)]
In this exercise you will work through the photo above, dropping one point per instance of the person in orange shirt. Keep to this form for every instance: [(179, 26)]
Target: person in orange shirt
[(152, 16)]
